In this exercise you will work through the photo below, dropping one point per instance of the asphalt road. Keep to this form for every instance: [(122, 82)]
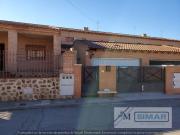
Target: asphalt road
[(83, 117)]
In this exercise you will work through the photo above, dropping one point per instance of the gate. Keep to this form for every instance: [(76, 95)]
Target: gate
[(90, 81), (153, 79), (140, 79), (128, 79)]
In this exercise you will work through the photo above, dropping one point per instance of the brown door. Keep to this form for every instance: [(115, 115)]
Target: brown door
[(2, 57)]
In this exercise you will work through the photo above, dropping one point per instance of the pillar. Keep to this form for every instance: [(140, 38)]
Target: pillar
[(144, 62), (78, 80), (57, 44), (12, 50), (69, 59), (57, 51)]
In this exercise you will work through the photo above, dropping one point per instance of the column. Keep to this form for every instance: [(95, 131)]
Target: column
[(144, 62), (57, 51), (57, 44), (77, 80), (12, 51)]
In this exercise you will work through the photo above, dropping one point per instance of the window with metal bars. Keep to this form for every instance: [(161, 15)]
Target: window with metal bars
[(35, 52)]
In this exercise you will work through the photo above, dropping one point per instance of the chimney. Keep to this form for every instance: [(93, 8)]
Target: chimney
[(145, 35), (86, 29)]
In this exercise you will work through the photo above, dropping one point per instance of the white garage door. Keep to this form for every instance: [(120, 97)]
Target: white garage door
[(115, 62)]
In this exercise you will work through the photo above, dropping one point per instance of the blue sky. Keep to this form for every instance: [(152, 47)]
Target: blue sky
[(160, 18)]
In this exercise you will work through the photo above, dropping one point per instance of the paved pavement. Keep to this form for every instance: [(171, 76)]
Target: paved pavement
[(146, 96), (81, 114), (82, 117), (97, 100)]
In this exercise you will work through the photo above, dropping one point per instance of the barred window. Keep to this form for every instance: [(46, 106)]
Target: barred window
[(35, 52)]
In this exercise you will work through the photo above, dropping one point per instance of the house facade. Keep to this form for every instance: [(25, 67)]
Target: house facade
[(98, 53), (115, 67), (25, 45), (33, 56)]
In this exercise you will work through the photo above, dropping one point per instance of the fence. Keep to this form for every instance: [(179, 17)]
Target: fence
[(128, 79), (21, 65), (137, 79)]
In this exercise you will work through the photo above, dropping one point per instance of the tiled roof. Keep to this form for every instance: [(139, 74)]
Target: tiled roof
[(133, 47), (80, 30)]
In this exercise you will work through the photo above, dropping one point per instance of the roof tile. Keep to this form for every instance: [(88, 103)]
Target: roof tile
[(135, 47)]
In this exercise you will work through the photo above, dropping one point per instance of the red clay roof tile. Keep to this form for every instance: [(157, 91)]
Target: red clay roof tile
[(137, 47)]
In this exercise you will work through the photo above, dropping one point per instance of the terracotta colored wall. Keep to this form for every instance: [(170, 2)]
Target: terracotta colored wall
[(81, 52), (57, 44), (107, 79), (12, 50), (78, 80), (9, 39), (15, 44), (82, 35), (101, 37), (24, 40), (69, 59), (70, 66), (170, 70)]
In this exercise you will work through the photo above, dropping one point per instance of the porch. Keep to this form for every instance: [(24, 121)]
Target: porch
[(25, 54)]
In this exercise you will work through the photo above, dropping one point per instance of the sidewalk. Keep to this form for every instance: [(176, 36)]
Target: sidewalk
[(146, 96), (120, 98)]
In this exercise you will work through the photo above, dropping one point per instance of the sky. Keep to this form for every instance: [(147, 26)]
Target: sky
[(156, 18)]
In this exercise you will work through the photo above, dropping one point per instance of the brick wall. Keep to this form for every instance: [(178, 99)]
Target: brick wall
[(169, 86), (78, 80), (24, 40), (70, 66), (69, 59), (107, 79), (120, 38)]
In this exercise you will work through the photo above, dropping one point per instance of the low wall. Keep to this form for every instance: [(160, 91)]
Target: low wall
[(29, 89)]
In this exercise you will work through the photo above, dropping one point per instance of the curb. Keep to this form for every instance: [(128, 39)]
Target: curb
[(26, 107), (73, 104)]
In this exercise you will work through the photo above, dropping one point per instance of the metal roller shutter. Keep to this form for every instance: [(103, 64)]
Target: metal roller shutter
[(115, 61)]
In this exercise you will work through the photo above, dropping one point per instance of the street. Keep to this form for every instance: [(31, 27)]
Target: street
[(81, 117)]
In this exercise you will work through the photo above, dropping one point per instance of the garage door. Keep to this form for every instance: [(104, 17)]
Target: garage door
[(115, 62)]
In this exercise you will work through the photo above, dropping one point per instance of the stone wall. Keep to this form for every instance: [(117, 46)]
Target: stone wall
[(29, 89)]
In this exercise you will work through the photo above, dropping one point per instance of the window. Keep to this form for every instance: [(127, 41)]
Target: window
[(35, 52)]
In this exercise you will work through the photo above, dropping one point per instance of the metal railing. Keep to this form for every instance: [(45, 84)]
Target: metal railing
[(20, 66)]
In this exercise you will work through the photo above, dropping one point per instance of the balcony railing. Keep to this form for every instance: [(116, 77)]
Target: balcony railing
[(20, 66)]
